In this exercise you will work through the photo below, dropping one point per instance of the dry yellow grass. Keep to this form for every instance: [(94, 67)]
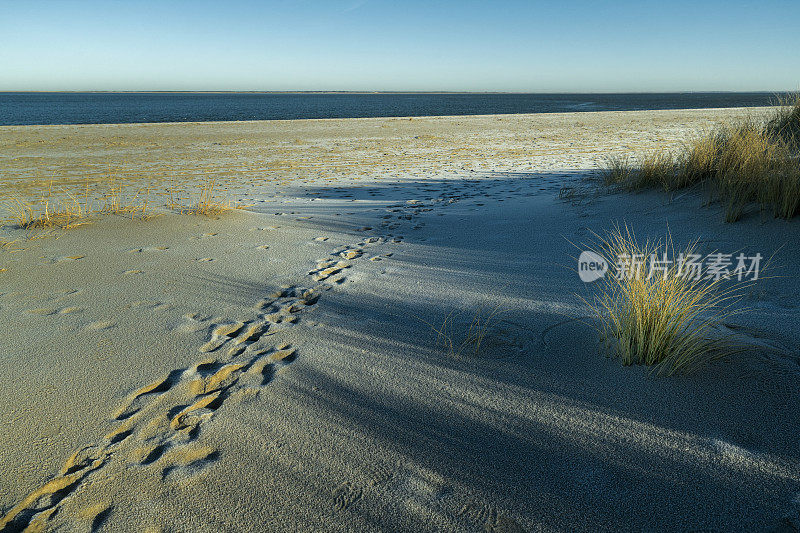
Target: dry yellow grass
[(9, 246), (70, 208), (74, 208), (669, 319), (114, 201), (48, 212), (750, 162), (210, 202)]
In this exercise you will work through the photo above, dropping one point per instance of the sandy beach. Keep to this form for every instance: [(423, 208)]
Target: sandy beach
[(274, 368)]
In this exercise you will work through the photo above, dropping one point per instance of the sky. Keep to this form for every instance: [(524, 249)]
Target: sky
[(383, 45)]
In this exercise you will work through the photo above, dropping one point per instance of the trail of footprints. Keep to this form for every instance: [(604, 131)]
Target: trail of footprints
[(158, 425)]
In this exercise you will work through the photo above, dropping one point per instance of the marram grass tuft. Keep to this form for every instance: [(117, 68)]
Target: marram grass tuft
[(747, 163), (670, 320)]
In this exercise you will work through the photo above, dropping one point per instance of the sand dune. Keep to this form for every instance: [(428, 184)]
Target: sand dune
[(274, 368)]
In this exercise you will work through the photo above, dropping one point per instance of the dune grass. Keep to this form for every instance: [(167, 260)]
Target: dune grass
[(71, 209), (460, 337), (115, 202), (9, 246), (63, 208), (669, 320), (49, 211), (210, 202), (752, 162)]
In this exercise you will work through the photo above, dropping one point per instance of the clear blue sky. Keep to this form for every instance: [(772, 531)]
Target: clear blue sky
[(465, 45)]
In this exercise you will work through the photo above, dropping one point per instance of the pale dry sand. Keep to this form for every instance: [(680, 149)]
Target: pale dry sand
[(305, 152), (272, 369)]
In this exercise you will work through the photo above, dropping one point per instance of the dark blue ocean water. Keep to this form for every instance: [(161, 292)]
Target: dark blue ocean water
[(116, 108)]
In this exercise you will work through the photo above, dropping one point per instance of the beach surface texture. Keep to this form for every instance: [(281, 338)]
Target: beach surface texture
[(276, 368)]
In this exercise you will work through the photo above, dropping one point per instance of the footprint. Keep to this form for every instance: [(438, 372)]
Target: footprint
[(251, 334), (351, 254), (263, 370), (191, 322), (488, 515), (221, 334), (346, 495), (68, 258), (42, 311), (324, 273), (134, 402), (148, 455), (188, 460), (41, 499), (119, 434), (222, 379), (380, 474), (197, 412), (282, 356), (96, 515), (99, 325), (81, 459)]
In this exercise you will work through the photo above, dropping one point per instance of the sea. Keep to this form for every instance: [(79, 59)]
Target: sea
[(28, 108)]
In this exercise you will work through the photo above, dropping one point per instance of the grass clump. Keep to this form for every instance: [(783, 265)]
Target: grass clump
[(750, 162), (72, 208), (114, 202), (210, 202), (459, 337), (785, 123), (47, 213), (669, 318), (653, 170)]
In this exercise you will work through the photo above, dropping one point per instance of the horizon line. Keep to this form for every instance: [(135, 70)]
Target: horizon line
[(334, 91)]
